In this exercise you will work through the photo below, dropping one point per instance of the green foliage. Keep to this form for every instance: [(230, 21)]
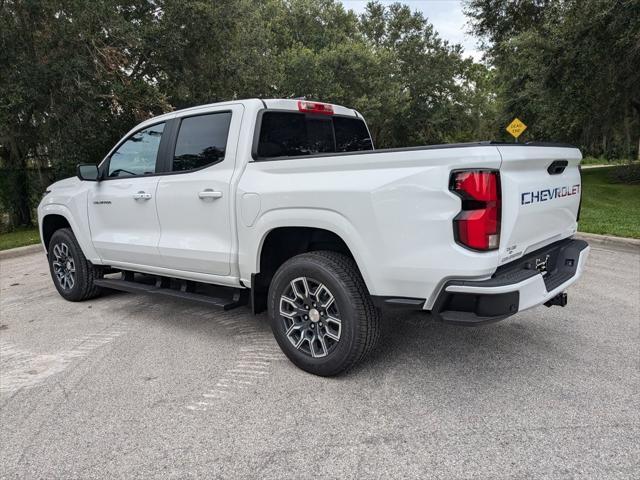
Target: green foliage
[(628, 174), (567, 68), (76, 75), (609, 207), (69, 86)]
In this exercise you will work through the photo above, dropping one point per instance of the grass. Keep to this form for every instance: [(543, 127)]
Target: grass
[(603, 161), (19, 238), (609, 208)]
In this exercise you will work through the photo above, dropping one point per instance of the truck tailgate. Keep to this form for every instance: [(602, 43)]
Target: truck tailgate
[(541, 193)]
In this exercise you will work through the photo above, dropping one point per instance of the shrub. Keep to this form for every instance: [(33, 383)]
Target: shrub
[(628, 174)]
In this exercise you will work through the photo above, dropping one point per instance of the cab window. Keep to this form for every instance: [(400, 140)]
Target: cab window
[(293, 134), (202, 141), (138, 154)]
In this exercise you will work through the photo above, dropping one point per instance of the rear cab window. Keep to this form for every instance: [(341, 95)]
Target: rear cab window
[(201, 141), (295, 134)]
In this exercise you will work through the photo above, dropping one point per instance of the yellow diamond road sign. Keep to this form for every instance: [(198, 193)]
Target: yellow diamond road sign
[(516, 127)]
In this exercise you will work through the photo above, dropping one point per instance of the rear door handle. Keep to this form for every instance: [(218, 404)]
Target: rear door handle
[(142, 196), (208, 193)]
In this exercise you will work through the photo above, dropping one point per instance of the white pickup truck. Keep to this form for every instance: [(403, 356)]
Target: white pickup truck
[(286, 206)]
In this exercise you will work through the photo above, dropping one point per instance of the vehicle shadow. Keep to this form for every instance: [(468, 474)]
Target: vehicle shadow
[(152, 309), (414, 340), (419, 341)]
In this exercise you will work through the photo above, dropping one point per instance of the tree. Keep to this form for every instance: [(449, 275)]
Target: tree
[(71, 81), (569, 68), (74, 76)]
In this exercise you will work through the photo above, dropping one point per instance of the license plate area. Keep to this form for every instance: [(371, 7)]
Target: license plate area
[(556, 262)]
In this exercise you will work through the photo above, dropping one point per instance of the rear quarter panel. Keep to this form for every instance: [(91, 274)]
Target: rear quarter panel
[(393, 210)]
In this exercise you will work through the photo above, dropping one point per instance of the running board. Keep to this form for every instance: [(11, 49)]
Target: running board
[(161, 287)]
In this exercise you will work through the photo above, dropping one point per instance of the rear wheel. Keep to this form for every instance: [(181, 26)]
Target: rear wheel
[(73, 275), (321, 313)]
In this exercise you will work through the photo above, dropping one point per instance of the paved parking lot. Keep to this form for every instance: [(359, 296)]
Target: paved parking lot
[(131, 386)]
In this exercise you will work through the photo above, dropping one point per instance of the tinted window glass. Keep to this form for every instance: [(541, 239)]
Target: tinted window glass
[(202, 140), (138, 154), (285, 134), (351, 135)]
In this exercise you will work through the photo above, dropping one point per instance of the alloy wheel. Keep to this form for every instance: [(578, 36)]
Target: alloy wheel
[(64, 266), (310, 316)]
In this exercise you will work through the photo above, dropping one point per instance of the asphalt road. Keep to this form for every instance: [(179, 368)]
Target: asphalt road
[(137, 387)]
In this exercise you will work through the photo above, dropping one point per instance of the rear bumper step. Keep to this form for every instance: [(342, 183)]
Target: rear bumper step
[(181, 289), (537, 278)]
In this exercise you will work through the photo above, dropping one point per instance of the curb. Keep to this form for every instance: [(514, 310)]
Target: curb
[(20, 251), (589, 167), (604, 241)]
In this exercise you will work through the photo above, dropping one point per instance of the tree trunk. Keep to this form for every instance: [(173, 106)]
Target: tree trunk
[(627, 132), (636, 107), (22, 213), (19, 205)]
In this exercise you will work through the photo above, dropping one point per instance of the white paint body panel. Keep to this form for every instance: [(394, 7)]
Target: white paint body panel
[(534, 225), (127, 228), (196, 233), (393, 209)]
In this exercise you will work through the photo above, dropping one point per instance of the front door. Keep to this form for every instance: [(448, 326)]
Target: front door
[(194, 201), (122, 207)]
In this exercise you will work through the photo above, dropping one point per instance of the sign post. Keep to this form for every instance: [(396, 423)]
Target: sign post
[(516, 128)]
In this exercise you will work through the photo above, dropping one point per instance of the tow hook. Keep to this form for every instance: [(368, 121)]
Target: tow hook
[(560, 300)]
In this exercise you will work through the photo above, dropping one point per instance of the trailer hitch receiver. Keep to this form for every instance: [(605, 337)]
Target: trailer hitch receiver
[(560, 300)]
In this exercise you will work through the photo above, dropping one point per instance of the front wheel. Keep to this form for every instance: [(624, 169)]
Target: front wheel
[(73, 275), (321, 313)]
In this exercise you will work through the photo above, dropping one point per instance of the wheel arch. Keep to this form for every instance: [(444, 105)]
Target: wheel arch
[(51, 223), (54, 217), (284, 240)]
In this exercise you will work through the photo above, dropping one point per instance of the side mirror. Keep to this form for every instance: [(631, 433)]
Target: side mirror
[(88, 172)]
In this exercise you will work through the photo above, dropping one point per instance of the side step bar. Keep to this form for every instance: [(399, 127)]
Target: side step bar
[(162, 287)]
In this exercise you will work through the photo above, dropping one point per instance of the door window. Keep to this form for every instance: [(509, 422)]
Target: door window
[(202, 141), (138, 154)]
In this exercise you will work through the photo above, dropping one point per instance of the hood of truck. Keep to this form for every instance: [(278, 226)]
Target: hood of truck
[(65, 183)]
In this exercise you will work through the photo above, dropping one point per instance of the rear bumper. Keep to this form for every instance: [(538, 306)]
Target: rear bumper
[(514, 287)]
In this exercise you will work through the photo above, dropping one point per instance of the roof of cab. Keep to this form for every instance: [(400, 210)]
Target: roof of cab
[(270, 103), (292, 104)]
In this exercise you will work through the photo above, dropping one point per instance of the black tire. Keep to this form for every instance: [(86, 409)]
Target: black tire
[(63, 242), (360, 319)]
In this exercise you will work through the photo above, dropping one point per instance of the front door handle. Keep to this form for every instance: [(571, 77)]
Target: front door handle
[(142, 196), (208, 193)]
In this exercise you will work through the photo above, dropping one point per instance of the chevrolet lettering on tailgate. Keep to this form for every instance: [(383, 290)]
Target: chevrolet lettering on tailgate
[(548, 194)]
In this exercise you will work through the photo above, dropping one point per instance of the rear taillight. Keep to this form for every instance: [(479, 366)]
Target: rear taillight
[(477, 226), (315, 107)]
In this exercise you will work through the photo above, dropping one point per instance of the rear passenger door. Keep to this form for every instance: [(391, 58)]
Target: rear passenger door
[(194, 198)]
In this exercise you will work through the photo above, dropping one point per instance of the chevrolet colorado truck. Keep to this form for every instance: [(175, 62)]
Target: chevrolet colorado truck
[(285, 206)]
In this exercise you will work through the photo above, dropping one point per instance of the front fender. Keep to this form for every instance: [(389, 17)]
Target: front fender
[(81, 231)]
